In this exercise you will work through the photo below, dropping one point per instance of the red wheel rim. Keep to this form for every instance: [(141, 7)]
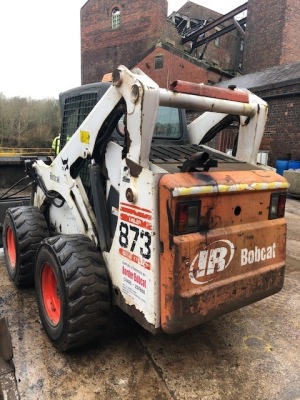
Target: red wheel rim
[(50, 294), (11, 247)]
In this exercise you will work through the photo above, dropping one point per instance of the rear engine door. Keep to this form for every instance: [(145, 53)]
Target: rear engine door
[(223, 237)]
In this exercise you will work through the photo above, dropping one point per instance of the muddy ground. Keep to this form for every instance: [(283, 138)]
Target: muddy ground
[(250, 354)]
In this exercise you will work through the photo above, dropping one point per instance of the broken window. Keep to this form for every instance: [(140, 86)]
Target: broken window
[(115, 18), (158, 62)]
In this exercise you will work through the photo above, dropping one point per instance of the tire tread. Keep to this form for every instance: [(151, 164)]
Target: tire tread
[(87, 289), (31, 228)]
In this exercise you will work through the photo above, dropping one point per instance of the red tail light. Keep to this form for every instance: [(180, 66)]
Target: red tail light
[(277, 205), (187, 217)]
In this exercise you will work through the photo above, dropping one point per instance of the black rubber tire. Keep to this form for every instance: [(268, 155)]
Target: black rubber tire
[(23, 229), (82, 286)]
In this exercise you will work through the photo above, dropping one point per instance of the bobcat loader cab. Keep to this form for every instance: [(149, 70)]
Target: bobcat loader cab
[(172, 232)]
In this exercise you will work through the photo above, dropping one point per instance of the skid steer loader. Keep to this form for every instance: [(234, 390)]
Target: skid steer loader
[(136, 212)]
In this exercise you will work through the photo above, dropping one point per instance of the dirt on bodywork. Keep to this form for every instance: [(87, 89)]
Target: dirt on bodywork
[(251, 353)]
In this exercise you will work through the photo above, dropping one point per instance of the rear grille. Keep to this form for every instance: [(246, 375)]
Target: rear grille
[(178, 154)]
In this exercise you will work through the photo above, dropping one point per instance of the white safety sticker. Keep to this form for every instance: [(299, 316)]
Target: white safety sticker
[(135, 247)]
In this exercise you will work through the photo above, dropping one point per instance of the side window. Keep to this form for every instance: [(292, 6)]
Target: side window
[(115, 18), (158, 62), (167, 124)]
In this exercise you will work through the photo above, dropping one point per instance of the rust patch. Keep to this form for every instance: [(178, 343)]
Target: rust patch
[(217, 300), (133, 312), (135, 169), (235, 259), (233, 94)]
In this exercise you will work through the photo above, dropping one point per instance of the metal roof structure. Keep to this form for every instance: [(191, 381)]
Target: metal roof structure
[(194, 30)]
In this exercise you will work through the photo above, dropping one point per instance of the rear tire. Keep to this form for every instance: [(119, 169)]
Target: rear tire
[(73, 291), (23, 229)]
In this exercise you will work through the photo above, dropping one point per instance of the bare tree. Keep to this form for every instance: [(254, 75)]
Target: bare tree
[(28, 123)]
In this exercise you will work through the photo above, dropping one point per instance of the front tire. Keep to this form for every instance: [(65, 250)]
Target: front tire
[(73, 291), (23, 229)]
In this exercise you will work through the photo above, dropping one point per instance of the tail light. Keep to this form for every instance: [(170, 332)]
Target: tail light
[(277, 205), (187, 217)]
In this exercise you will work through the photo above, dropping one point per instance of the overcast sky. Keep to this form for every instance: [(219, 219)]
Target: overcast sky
[(40, 44)]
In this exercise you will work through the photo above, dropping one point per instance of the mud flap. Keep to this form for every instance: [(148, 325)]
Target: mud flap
[(8, 386)]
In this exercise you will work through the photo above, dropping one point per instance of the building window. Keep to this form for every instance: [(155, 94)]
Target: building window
[(217, 39), (242, 45), (115, 18), (217, 42), (158, 62)]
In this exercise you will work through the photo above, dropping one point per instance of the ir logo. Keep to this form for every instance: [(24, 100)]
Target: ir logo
[(215, 258)]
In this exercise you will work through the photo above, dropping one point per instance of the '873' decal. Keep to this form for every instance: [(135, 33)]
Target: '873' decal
[(130, 235), (134, 234)]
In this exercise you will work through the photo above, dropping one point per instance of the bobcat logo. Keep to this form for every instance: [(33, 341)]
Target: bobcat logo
[(65, 165)]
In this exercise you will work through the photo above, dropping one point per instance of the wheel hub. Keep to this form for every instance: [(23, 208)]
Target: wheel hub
[(50, 294)]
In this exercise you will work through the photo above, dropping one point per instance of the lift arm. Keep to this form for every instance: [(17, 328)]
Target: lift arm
[(142, 97)]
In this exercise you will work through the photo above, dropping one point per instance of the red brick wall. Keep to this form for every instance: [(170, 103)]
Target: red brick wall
[(174, 68), (282, 133), (263, 42), (272, 34), (143, 24), (291, 47), (103, 49)]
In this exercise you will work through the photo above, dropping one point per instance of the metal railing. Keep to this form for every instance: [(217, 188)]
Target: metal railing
[(25, 151)]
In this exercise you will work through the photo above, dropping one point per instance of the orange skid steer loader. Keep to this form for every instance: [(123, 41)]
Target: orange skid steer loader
[(136, 211)]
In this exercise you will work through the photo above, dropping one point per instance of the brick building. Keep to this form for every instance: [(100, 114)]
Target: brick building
[(139, 33), (279, 86), (271, 69), (272, 35), (225, 52), (119, 32), (165, 64)]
